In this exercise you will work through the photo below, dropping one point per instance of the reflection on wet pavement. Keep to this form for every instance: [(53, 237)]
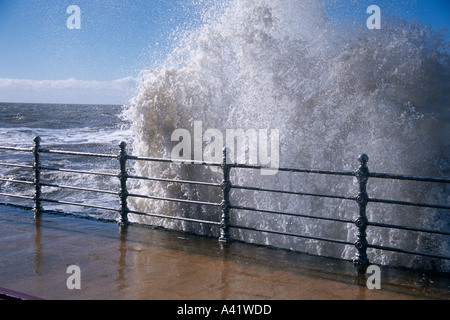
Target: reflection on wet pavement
[(137, 262)]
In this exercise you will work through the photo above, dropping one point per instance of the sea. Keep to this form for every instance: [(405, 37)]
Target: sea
[(68, 127)]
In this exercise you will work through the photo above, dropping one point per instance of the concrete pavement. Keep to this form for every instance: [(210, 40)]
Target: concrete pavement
[(142, 263)]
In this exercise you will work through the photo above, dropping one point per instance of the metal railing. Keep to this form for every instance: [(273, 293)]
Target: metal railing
[(362, 174)]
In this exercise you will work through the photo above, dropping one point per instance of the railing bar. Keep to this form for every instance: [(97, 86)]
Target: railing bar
[(175, 181), (16, 196), (73, 153), (326, 172), (195, 162), (293, 192), (79, 171), (291, 214), (292, 234), (28, 208), (78, 188), (404, 177), (16, 149), (405, 203), (173, 218), (135, 158), (394, 226), (299, 170), (174, 161), (17, 181), (15, 165), (175, 200), (374, 246), (79, 204)]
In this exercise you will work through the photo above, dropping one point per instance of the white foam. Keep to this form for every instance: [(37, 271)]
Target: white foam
[(281, 64)]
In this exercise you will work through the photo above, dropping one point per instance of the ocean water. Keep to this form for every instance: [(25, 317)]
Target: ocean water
[(332, 92), (78, 128), (84, 127)]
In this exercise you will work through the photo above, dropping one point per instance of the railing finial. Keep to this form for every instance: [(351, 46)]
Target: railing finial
[(363, 159)]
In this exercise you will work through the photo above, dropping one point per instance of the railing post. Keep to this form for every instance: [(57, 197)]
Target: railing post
[(226, 187), (123, 193), (37, 178), (362, 199)]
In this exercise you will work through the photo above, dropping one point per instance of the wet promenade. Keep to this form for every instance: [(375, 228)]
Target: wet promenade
[(150, 264)]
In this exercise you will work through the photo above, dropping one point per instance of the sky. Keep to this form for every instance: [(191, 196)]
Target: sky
[(44, 61)]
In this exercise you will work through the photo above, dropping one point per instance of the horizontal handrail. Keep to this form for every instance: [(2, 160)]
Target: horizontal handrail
[(405, 177), (154, 215), (16, 196), (174, 161), (292, 192), (344, 173), (298, 170), (79, 171), (174, 200), (210, 184), (78, 188), (399, 227), (298, 215), (15, 165), (74, 153), (362, 199), (78, 204), (16, 149), (16, 181), (407, 203)]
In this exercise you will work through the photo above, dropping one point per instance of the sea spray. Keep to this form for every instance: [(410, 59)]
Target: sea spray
[(332, 94)]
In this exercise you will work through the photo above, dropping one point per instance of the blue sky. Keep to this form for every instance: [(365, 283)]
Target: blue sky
[(117, 39)]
